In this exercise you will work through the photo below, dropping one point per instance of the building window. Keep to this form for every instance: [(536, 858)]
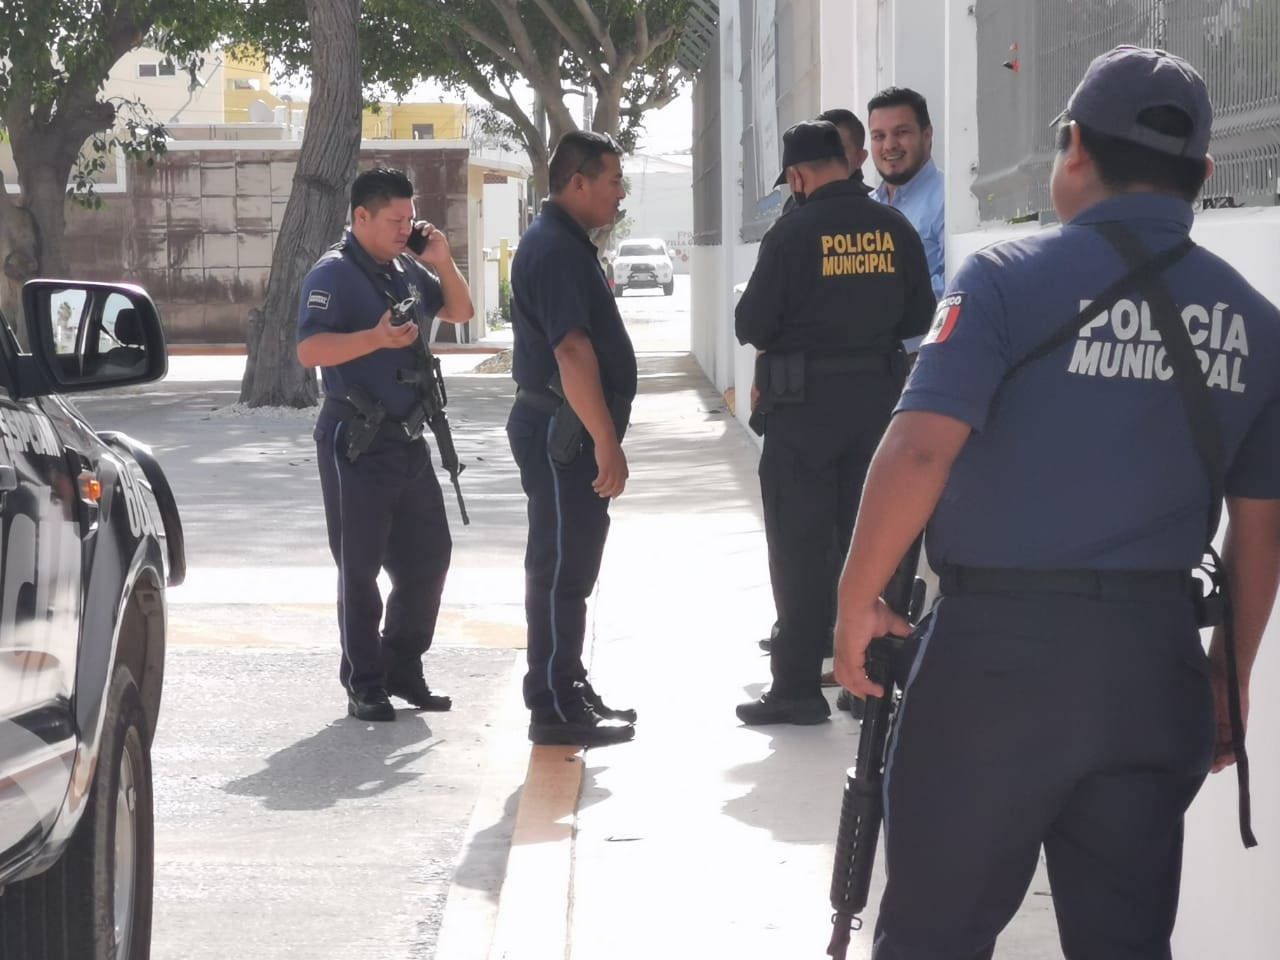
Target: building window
[(165, 69), (424, 131), (246, 83)]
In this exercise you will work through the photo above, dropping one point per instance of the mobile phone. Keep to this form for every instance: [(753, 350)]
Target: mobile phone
[(417, 241)]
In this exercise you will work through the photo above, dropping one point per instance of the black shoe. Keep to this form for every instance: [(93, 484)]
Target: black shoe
[(584, 728), (370, 704), (603, 710), (415, 691), (771, 709), (848, 702)]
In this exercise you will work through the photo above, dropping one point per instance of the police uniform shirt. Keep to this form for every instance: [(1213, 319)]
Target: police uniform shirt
[(1085, 457), (839, 272), (338, 297), (558, 285)]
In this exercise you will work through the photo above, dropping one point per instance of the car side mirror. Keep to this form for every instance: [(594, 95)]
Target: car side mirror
[(86, 335)]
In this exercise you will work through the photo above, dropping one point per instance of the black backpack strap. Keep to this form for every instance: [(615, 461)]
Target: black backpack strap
[(1196, 401), (1147, 268)]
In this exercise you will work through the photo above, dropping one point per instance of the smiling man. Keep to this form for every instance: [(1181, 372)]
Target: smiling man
[(902, 150)]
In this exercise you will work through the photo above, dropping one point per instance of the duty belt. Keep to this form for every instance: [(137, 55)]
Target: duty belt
[(953, 581), (390, 429), (824, 364), (547, 403)]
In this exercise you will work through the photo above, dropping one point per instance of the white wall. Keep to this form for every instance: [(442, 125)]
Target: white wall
[(1229, 895), (502, 211), (167, 96)]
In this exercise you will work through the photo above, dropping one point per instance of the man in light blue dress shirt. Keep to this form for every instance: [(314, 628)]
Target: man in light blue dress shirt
[(902, 149)]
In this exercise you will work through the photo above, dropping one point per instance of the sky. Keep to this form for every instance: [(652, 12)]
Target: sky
[(669, 130)]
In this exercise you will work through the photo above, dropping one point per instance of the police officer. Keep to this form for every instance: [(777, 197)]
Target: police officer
[(853, 136), (382, 500), (839, 283), (575, 371), (1066, 508)]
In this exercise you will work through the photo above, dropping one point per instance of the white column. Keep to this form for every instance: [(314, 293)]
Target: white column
[(731, 205), (837, 37), (864, 57), (960, 158)]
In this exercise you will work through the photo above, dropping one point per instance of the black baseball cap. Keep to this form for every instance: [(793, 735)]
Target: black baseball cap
[(1121, 83), (808, 141)]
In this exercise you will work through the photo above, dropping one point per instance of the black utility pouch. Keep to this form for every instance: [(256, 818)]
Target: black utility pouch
[(565, 441), (784, 377)]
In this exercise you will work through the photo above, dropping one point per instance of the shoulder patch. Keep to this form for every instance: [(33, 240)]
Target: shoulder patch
[(945, 319), (318, 299)]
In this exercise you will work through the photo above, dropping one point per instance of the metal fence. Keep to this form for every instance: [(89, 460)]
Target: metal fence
[(1031, 55)]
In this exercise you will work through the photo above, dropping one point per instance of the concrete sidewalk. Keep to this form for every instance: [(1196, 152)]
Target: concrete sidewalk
[(702, 838)]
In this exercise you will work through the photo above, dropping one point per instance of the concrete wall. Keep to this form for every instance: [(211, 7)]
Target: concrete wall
[(198, 229)]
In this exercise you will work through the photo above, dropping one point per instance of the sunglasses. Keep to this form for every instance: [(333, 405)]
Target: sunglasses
[(607, 145)]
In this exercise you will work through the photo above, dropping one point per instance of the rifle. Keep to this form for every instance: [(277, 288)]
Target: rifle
[(862, 809), (428, 380)]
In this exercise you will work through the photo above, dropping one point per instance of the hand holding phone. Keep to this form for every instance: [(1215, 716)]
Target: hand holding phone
[(420, 236)]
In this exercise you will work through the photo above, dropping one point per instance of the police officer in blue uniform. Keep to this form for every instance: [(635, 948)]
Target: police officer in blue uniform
[(839, 282), (1061, 698), (575, 371), (382, 500)]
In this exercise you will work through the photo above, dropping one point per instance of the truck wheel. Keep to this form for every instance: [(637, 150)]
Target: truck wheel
[(110, 863), (668, 288)]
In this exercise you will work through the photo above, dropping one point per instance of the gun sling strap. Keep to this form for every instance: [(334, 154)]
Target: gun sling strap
[(1145, 274), (432, 409)]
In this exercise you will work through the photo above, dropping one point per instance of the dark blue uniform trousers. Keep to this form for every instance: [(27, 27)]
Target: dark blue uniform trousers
[(568, 525), (814, 463), (383, 511), (1080, 725)]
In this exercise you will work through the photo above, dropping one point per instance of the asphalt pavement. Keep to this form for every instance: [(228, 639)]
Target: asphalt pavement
[(287, 830)]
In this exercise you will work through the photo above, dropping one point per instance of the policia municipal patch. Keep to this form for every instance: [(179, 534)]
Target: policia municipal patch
[(845, 254)]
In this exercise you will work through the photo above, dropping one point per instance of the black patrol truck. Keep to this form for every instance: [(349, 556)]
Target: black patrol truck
[(90, 538)]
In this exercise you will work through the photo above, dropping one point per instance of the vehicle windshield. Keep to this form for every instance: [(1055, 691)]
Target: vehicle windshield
[(641, 249)]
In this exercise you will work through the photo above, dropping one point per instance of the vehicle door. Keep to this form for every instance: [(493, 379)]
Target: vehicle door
[(40, 597)]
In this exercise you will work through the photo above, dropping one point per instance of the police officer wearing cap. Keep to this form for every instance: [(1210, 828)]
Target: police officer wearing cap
[(1060, 698), (839, 282), (382, 500), (575, 371)]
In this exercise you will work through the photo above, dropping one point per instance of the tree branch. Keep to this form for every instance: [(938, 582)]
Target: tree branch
[(478, 82), (576, 42), (543, 76), (598, 30), (486, 40), (666, 92)]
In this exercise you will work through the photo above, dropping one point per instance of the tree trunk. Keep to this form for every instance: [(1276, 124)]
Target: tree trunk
[(539, 160), (33, 227), (316, 210)]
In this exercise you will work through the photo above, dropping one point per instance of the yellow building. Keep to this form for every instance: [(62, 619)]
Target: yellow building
[(416, 121), (245, 82)]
